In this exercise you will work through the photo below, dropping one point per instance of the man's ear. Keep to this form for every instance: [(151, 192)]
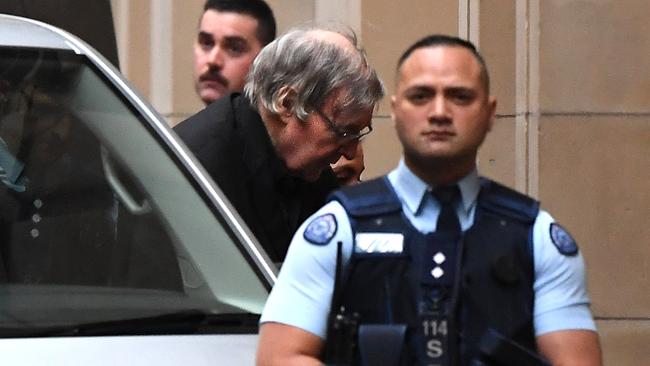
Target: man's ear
[(393, 100), (492, 108), (285, 102)]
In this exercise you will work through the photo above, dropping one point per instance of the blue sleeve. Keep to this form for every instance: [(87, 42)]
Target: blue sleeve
[(302, 295), (561, 299)]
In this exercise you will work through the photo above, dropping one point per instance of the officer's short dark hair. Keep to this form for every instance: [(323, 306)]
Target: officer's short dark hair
[(257, 9), (435, 40)]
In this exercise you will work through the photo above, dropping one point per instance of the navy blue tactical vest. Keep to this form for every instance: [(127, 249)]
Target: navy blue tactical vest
[(488, 281)]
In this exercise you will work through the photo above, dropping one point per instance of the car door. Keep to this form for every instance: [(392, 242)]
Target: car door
[(115, 247)]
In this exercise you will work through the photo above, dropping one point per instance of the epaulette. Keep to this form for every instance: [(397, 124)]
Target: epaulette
[(374, 197), (502, 200)]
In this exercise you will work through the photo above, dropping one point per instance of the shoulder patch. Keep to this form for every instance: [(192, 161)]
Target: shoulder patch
[(562, 240), (321, 229)]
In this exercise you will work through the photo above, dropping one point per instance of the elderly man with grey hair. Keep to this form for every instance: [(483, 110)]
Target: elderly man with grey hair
[(308, 101)]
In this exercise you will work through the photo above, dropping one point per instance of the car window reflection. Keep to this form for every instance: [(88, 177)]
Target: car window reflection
[(99, 219), (62, 221)]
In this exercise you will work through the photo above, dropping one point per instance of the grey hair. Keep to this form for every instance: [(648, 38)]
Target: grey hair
[(313, 68)]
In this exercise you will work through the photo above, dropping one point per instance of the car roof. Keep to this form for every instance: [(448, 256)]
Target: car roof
[(23, 32)]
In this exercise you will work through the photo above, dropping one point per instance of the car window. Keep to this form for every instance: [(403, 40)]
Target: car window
[(98, 220)]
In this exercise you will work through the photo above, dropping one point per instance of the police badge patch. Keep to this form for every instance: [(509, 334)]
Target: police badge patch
[(563, 241), (321, 229)]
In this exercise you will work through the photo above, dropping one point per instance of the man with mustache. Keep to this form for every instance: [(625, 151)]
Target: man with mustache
[(432, 264), (270, 149), (231, 33)]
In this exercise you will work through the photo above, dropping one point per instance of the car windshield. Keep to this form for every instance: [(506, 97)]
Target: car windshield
[(98, 219)]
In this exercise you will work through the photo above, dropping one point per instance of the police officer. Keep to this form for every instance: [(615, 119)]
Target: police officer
[(432, 264)]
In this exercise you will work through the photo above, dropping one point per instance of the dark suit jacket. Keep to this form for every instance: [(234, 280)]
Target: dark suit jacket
[(229, 138)]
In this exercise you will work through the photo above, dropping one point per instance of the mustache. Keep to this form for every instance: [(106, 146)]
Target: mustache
[(214, 75)]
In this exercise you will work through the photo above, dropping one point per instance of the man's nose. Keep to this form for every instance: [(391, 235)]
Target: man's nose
[(349, 149), (438, 109), (215, 57)]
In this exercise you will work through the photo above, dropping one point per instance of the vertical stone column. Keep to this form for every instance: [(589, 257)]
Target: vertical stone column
[(155, 48), (161, 65), (132, 29)]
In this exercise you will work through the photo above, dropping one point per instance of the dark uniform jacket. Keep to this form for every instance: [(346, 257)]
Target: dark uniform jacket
[(229, 138)]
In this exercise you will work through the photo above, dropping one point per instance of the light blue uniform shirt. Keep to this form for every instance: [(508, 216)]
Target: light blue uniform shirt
[(303, 293)]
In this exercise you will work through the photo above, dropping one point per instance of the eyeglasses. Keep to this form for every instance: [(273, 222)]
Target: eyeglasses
[(341, 133)]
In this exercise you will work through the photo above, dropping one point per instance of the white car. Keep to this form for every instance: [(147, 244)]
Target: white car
[(115, 247)]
